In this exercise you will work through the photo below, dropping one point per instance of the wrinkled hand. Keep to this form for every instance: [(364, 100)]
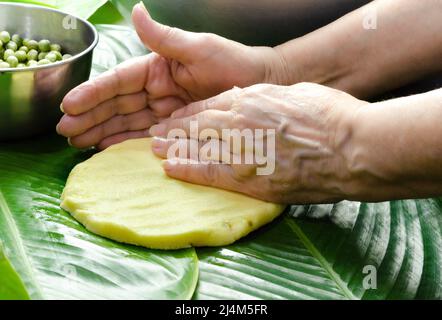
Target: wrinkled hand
[(123, 103), (311, 124)]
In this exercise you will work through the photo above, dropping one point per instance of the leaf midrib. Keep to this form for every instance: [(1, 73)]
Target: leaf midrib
[(19, 245), (321, 259)]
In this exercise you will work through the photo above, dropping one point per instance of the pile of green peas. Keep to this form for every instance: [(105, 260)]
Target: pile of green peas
[(16, 52)]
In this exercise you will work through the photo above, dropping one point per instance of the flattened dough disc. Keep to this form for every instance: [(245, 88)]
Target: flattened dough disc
[(123, 194)]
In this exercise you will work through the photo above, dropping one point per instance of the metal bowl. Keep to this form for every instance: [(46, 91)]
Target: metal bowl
[(30, 97), (253, 22)]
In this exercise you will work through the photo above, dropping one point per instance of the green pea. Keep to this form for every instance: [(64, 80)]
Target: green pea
[(42, 55), (23, 48), (32, 63), (55, 47), (51, 57), (13, 61), (32, 54), (18, 52), (43, 62), (44, 45), (5, 36), (17, 39), (32, 44), (12, 45), (57, 55), (8, 53), (4, 65), (21, 56)]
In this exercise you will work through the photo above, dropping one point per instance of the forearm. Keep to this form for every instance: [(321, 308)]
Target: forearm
[(406, 45), (394, 149)]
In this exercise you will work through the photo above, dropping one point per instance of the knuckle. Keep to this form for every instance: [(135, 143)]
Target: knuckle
[(208, 38), (305, 85), (125, 123), (206, 115), (239, 120), (91, 88), (102, 132), (95, 118), (117, 82)]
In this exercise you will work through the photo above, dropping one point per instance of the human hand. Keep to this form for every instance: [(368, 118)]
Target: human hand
[(311, 137), (184, 67)]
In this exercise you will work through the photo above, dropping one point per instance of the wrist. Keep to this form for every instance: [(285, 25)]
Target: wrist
[(373, 159), (363, 173), (395, 151), (309, 59), (275, 69)]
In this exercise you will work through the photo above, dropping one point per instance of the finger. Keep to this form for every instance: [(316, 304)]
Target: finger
[(223, 101), (176, 148), (70, 126), (127, 78), (203, 151), (120, 137), (209, 174), (169, 42), (212, 120), (163, 108), (133, 122)]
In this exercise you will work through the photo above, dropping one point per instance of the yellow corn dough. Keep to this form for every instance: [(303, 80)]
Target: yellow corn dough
[(123, 193)]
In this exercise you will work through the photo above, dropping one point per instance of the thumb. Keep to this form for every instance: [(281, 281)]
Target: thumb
[(168, 42)]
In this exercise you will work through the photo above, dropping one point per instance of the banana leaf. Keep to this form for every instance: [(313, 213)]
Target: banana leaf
[(80, 8), (361, 251), (11, 286), (55, 256), (108, 14), (117, 44)]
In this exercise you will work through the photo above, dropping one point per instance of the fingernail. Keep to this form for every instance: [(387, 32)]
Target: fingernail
[(158, 143), (158, 130), (69, 142), (177, 114), (57, 128), (143, 6), (61, 108), (169, 165)]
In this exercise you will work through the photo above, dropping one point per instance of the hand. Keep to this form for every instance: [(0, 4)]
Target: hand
[(312, 132), (123, 103)]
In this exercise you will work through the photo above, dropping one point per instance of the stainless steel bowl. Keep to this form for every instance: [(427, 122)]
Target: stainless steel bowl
[(30, 97), (253, 22)]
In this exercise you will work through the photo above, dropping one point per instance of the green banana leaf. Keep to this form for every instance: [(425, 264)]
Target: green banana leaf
[(363, 251), (52, 254), (11, 286), (80, 8), (55, 257), (108, 14), (117, 44)]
